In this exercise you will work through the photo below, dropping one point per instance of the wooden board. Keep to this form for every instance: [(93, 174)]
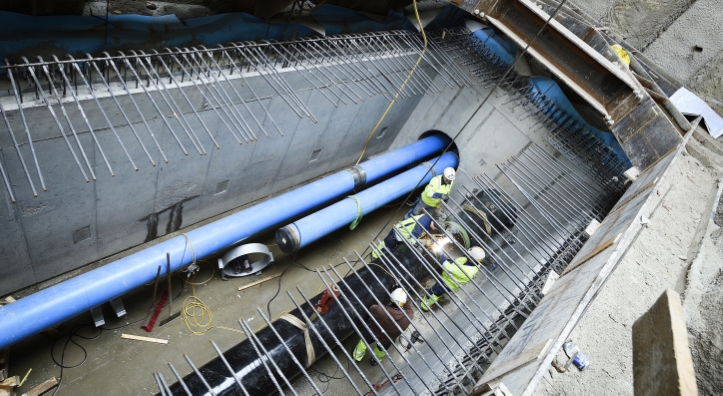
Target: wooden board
[(528, 356), (147, 339), (259, 281), (622, 204), (10, 383), (590, 255), (42, 388)]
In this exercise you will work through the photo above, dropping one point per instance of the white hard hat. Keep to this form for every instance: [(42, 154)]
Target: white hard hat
[(399, 297), (477, 253), (449, 173)]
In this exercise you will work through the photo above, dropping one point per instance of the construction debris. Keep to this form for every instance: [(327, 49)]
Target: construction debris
[(4, 363), (259, 281), (42, 388), (147, 339)]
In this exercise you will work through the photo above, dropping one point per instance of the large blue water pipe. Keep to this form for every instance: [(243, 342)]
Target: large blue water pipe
[(57, 303), (319, 224)]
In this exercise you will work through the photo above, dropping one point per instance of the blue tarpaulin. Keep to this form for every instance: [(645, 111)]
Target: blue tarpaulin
[(449, 16), (25, 35), (503, 48), (552, 91), (340, 20), (78, 35)]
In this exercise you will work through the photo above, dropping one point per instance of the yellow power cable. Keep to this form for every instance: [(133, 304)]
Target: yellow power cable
[(424, 50), (197, 315)]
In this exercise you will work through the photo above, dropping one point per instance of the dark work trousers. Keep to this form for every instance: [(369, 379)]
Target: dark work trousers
[(369, 339)]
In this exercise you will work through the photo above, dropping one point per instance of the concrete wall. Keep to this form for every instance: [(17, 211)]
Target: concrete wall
[(684, 37), (495, 132), (77, 222)]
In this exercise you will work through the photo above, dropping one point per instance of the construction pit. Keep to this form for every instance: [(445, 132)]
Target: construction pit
[(578, 247)]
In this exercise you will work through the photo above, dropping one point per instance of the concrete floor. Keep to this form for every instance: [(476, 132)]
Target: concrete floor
[(130, 363)]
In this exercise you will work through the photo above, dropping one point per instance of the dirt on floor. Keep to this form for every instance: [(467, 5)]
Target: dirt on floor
[(681, 249)]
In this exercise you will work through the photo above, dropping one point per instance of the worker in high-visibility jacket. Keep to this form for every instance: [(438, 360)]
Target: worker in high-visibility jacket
[(461, 269), (383, 326), (410, 229), (437, 189)]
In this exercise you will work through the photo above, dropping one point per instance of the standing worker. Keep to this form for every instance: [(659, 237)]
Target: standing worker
[(437, 189), (410, 229), (461, 269), (384, 327)]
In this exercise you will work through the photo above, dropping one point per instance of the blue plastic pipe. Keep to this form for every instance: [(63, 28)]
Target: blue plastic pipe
[(57, 303), (319, 224)]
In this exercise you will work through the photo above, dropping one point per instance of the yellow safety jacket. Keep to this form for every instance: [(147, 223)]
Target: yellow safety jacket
[(405, 228), (435, 188), (462, 273)]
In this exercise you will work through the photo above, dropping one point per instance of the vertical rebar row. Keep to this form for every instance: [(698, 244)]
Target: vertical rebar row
[(344, 68)]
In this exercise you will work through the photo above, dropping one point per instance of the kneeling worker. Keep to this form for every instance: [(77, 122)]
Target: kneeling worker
[(410, 229), (461, 269), (388, 332), (437, 189)]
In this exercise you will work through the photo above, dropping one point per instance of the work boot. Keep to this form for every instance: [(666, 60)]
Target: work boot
[(379, 353), (380, 247), (378, 356), (427, 302), (358, 352)]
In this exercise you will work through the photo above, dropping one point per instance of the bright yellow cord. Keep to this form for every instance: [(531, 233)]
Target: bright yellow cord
[(424, 50), (198, 316)]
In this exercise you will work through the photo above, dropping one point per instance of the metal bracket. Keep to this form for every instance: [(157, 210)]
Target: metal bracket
[(97, 314), (118, 307), (245, 250)]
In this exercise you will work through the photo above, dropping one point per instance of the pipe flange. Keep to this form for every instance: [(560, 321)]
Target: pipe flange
[(235, 257)]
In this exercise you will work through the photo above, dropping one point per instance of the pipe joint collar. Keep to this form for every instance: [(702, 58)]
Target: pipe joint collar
[(359, 175), (288, 238)]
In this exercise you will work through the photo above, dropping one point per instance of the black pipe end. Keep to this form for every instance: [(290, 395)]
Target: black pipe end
[(288, 238)]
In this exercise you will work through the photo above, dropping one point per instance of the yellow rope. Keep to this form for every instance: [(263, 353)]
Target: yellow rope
[(424, 50), (198, 316), (383, 269)]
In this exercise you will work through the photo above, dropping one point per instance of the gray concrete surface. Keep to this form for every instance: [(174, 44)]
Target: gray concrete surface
[(116, 209)]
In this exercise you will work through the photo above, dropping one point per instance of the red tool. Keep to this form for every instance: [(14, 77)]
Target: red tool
[(327, 298), (156, 311)]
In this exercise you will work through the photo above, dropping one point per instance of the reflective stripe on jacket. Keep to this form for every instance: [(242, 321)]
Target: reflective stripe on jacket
[(461, 271), (435, 186)]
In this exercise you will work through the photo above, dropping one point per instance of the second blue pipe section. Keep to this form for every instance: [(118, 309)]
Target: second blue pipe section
[(319, 224)]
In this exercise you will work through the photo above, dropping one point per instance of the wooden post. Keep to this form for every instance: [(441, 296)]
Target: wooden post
[(662, 364)]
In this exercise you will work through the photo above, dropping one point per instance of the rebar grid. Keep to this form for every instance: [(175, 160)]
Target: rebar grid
[(527, 231), (125, 92), (571, 138)]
